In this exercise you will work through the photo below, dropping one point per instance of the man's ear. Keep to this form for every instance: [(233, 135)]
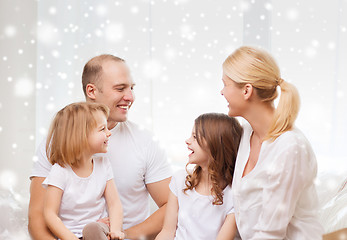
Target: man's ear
[(91, 91), (247, 91)]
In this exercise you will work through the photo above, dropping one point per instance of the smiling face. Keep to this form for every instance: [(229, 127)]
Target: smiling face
[(99, 135), (115, 91), (233, 94), (198, 155)]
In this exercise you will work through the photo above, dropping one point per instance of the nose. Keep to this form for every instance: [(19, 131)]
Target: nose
[(187, 141), (221, 92), (108, 133), (129, 96)]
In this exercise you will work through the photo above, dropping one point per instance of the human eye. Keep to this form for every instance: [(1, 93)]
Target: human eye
[(120, 89)]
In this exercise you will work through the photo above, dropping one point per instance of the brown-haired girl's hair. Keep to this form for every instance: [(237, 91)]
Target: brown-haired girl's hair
[(220, 136), (92, 70), (258, 68), (68, 134)]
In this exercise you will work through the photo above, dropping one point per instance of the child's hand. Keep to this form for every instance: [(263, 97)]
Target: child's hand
[(105, 220), (118, 235)]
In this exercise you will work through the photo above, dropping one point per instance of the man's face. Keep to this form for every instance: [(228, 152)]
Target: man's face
[(116, 91)]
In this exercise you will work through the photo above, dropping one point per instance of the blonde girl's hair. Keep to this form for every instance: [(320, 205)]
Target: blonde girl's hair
[(68, 134), (250, 65), (92, 71), (220, 136)]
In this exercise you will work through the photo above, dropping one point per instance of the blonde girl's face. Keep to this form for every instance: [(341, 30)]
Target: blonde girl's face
[(197, 154), (98, 137), (233, 94)]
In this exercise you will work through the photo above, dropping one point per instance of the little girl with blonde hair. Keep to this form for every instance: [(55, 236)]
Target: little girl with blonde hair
[(80, 186)]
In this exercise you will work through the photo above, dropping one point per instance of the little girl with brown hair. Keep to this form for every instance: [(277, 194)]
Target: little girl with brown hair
[(200, 204)]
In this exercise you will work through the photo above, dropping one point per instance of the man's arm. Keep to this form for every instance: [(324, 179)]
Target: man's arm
[(159, 191), (37, 226)]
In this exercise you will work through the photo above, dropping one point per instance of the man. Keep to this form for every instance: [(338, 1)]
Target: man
[(139, 165)]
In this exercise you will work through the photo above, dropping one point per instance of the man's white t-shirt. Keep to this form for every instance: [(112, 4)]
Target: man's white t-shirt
[(277, 199), (136, 160), (83, 200), (198, 218)]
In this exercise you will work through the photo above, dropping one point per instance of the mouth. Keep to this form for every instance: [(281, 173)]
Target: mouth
[(191, 151), (124, 107)]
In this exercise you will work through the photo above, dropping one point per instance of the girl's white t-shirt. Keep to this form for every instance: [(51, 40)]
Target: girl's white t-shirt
[(83, 199), (277, 199), (136, 160), (198, 218)]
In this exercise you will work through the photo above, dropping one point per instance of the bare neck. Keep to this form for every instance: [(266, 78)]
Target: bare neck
[(85, 166), (111, 124), (260, 117)]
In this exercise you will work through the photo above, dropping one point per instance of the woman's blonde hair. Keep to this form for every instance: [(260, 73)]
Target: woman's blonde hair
[(68, 134), (250, 65), (220, 136)]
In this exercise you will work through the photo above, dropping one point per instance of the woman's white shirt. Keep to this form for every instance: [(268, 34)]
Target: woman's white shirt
[(277, 199)]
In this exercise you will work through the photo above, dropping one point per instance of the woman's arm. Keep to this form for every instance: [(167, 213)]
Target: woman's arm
[(228, 229), (289, 177), (115, 210), (171, 217), (51, 208)]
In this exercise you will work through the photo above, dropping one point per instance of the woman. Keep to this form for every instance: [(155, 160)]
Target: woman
[(273, 184)]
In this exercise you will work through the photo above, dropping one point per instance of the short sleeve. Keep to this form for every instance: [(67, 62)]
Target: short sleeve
[(42, 166), (157, 166), (177, 182), (228, 200), (57, 177), (173, 186), (107, 168)]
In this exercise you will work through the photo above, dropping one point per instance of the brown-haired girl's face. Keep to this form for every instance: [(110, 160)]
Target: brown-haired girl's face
[(198, 155), (99, 135)]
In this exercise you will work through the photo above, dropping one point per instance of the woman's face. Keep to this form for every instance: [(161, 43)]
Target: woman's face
[(233, 94)]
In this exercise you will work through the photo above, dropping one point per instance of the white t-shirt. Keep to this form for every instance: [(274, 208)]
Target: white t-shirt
[(83, 199), (136, 160), (277, 199), (198, 218)]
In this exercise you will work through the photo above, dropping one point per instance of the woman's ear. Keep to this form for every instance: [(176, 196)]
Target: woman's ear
[(247, 91), (90, 91)]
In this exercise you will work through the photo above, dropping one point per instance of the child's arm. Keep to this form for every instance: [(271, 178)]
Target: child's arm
[(228, 229), (115, 210), (50, 212), (170, 222)]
